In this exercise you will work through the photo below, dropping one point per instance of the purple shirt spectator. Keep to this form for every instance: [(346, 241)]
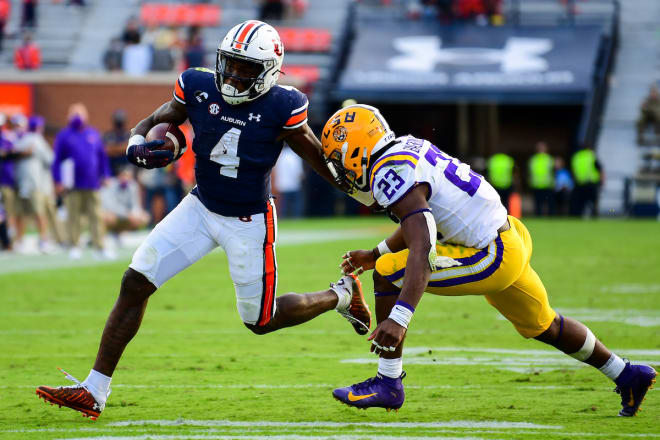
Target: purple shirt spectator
[(84, 146), (6, 166)]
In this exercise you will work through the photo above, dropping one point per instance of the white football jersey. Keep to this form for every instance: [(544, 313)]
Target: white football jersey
[(466, 208)]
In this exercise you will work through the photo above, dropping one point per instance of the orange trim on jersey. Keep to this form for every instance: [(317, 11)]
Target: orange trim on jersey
[(241, 38), (269, 268), (296, 119), (178, 91)]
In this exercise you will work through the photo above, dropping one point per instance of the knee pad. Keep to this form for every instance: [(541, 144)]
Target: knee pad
[(249, 302), (145, 261)]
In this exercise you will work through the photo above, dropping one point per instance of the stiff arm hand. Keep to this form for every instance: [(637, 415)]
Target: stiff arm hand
[(357, 262)]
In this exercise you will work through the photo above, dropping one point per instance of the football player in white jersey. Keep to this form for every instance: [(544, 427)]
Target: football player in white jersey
[(455, 238)]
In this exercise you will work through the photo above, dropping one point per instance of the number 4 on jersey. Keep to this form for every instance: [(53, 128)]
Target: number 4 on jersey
[(225, 153)]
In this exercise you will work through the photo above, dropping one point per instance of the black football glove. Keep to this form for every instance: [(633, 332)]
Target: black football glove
[(144, 155)]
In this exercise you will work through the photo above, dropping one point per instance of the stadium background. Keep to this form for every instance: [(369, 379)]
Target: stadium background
[(589, 68)]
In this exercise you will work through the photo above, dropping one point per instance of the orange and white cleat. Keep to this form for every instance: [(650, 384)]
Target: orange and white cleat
[(357, 310), (76, 397)]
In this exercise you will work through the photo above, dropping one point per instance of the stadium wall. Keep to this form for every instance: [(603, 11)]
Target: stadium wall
[(53, 94)]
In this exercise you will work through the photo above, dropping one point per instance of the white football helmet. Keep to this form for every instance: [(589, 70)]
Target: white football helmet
[(255, 42)]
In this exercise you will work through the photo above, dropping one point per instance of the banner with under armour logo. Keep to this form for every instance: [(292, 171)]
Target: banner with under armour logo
[(425, 61)]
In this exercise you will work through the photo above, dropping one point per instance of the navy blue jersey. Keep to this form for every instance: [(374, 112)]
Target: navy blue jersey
[(236, 146)]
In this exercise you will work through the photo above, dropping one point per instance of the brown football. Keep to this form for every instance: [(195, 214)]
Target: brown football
[(175, 140)]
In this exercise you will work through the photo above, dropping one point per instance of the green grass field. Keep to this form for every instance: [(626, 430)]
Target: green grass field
[(194, 371)]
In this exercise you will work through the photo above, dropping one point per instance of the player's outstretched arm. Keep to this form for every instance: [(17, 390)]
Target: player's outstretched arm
[(304, 142), (419, 234), (361, 260)]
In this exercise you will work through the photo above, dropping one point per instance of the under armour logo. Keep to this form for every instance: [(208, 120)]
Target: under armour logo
[(141, 160), (422, 53), (257, 118)]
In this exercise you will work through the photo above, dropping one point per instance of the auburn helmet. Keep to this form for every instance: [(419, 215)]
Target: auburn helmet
[(349, 139), (254, 42)]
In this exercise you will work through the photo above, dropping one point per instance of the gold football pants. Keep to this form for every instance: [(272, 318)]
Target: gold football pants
[(501, 272)]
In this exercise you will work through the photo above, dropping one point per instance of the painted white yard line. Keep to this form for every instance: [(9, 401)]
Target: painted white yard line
[(524, 352), (12, 262), (452, 436), (516, 360), (270, 436), (328, 424), (631, 288), (305, 386), (637, 317)]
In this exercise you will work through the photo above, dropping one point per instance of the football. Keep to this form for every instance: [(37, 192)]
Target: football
[(175, 140)]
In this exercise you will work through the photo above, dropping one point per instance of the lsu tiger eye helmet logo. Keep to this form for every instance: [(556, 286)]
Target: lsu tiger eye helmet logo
[(339, 134), (349, 138)]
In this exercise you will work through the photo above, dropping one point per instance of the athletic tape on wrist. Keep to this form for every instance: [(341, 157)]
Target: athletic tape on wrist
[(136, 139), (383, 248), (402, 313)]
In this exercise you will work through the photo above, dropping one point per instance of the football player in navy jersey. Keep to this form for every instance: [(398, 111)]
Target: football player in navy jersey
[(240, 118)]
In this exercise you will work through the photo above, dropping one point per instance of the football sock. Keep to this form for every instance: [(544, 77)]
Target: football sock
[(99, 385), (343, 296), (390, 367), (613, 367)]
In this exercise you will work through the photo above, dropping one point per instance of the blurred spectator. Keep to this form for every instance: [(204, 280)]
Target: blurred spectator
[(500, 175), (164, 43), (35, 156), (4, 234), (541, 180), (136, 59), (288, 176), (113, 55), (563, 187), (161, 190), (115, 141), (122, 209), (649, 114), (47, 188), (588, 178), (271, 10), (79, 3), (18, 126), (7, 180), (193, 54), (28, 55), (82, 146), (29, 17), (299, 8), (5, 9), (131, 33)]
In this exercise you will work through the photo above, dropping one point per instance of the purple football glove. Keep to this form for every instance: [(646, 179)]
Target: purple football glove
[(145, 156)]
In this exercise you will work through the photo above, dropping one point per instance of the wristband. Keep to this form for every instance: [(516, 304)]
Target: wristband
[(136, 139), (383, 248), (402, 313)]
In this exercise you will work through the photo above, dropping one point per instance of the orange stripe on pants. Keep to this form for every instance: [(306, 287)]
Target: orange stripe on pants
[(269, 266)]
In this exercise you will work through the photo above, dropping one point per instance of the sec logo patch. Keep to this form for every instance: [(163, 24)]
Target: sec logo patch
[(214, 108)]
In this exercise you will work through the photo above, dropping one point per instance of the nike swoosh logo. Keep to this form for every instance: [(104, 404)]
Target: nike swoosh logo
[(632, 399), (353, 398)]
